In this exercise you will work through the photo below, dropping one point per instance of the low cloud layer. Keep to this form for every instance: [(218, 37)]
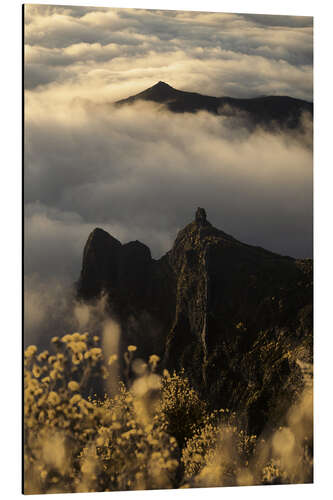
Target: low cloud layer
[(219, 54), (140, 173)]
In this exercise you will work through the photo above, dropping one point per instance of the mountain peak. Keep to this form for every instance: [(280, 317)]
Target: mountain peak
[(162, 84), (159, 89)]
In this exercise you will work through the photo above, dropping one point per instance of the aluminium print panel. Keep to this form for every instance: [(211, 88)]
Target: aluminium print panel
[(168, 188)]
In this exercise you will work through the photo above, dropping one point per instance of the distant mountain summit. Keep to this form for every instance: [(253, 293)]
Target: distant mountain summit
[(267, 111), (159, 92), (175, 100), (213, 306)]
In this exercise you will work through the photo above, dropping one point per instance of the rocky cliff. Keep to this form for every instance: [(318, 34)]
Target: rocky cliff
[(235, 317)]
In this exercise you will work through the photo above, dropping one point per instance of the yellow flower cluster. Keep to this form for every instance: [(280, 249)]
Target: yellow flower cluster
[(160, 437)]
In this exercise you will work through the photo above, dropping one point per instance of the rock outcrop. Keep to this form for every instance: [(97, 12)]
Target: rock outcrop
[(203, 308)]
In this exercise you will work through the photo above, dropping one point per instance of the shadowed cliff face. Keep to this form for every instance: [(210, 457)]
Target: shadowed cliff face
[(204, 306), (140, 289)]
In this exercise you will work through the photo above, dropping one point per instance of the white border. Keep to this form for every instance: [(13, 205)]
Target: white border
[(10, 210)]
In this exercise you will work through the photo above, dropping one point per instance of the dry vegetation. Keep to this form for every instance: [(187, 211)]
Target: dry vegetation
[(154, 431)]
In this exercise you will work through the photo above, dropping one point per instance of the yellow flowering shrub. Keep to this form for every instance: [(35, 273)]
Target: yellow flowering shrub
[(55, 412), (180, 410), (217, 452), (155, 433), (127, 453), (98, 445)]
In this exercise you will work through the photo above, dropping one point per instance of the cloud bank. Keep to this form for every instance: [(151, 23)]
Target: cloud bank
[(94, 50), (140, 173)]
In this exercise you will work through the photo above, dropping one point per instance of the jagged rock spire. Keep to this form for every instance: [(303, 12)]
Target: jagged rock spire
[(201, 216)]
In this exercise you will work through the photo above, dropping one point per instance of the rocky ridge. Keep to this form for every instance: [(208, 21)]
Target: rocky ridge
[(230, 314), (269, 111)]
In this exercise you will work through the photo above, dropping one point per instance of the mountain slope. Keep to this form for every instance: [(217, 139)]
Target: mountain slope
[(268, 110)]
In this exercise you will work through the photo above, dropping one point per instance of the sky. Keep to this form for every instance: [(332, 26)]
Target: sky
[(140, 173)]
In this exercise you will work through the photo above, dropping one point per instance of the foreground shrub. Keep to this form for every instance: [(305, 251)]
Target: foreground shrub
[(155, 433), (218, 452), (180, 411), (127, 453), (78, 443)]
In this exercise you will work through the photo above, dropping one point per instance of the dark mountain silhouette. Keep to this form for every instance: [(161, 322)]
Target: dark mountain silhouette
[(283, 111), (237, 318)]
